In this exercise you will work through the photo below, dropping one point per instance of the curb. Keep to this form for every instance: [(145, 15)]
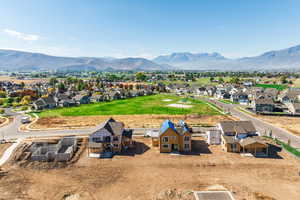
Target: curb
[(6, 121)]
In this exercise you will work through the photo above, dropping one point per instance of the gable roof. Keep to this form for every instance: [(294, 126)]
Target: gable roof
[(264, 101), (166, 125), (112, 126), (49, 99), (237, 127)]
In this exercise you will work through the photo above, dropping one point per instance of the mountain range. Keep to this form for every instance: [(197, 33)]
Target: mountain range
[(289, 58), (23, 61)]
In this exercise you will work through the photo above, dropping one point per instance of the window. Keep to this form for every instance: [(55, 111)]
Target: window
[(186, 138), (186, 146), (116, 145), (165, 146), (166, 139), (116, 138)]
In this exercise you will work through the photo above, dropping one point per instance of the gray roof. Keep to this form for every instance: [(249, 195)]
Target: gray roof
[(264, 101), (112, 126), (237, 127), (49, 100)]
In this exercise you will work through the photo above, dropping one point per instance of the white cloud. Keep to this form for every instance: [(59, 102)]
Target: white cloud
[(22, 36)]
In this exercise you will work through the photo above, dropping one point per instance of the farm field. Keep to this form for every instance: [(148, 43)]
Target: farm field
[(149, 175), (155, 104)]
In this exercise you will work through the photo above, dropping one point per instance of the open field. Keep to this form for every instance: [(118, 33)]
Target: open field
[(130, 121), (148, 175), (135, 106)]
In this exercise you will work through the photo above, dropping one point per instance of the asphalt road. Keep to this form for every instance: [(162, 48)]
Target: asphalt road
[(260, 125), (11, 131)]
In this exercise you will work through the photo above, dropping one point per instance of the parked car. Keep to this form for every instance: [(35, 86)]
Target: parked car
[(25, 120)]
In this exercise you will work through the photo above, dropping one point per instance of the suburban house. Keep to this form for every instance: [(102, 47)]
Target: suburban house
[(241, 137), (240, 97), (173, 138), (111, 136), (45, 103), (210, 91), (264, 105), (82, 99), (222, 93), (294, 108), (289, 96), (63, 100)]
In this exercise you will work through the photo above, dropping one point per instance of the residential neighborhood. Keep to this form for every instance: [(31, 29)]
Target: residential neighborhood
[(150, 100)]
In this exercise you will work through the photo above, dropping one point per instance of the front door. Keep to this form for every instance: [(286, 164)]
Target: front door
[(174, 147)]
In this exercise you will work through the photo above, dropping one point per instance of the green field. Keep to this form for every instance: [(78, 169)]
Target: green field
[(276, 86), (140, 105)]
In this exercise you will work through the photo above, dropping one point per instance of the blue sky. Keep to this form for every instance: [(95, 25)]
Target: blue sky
[(148, 28)]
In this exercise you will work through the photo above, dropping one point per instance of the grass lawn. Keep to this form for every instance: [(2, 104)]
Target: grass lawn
[(276, 86), (135, 106)]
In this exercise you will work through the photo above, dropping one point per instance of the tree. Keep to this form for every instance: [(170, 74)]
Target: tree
[(234, 80), (22, 84), (140, 76), (61, 87), (211, 79), (53, 81), (26, 100), (221, 80), (51, 90), (2, 94), (283, 79)]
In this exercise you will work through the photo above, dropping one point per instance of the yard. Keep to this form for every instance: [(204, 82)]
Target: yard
[(156, 104), (147, 174)]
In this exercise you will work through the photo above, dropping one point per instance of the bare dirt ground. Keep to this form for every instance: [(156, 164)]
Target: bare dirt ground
[(26, 81), (146, 174), (291, 124), (131, 121)]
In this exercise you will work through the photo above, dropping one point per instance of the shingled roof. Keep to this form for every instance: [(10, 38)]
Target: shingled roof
[(237, 127)]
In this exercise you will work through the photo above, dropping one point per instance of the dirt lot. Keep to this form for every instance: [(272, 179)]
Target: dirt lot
[(291, 124), (18, 81), (131, 121), (147, 174)]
